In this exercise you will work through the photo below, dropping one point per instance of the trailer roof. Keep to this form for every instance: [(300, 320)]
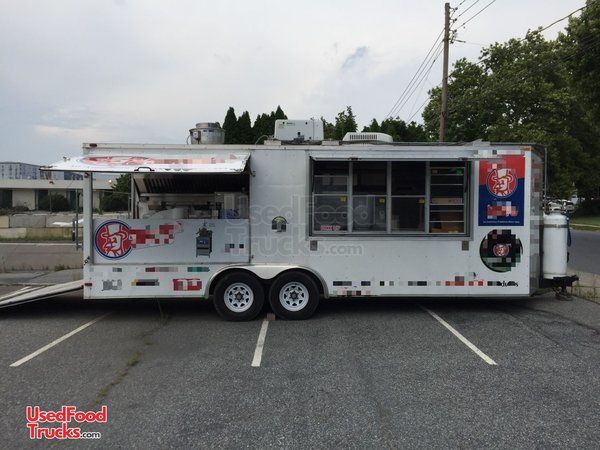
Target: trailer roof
[(107, 157), (326, 145)]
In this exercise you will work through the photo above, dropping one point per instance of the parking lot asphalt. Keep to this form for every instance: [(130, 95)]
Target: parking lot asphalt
[(361, 372)]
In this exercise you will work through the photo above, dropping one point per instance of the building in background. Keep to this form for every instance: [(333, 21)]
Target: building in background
[(11, 170), (24, 186)]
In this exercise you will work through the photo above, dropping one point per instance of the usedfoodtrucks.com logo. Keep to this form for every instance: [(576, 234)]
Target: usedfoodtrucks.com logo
[(501, 182), (63, 424)]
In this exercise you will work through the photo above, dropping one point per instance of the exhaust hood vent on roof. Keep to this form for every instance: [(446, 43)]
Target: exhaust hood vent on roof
[(207, 133)]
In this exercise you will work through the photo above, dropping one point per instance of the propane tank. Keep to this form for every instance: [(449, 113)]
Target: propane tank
[(556, 232)]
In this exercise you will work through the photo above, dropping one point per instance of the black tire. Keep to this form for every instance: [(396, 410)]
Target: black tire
[(231, 301), (301, 306)]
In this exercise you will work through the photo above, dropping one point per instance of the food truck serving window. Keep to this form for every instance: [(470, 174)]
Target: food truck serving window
[(384, 197)]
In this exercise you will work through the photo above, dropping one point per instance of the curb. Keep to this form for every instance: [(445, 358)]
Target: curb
[(587, 287)]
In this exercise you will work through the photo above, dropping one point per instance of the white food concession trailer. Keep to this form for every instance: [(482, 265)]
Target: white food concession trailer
[(289, 222)]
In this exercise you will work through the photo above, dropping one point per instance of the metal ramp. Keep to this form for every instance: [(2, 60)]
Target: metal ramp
[(33, 293)]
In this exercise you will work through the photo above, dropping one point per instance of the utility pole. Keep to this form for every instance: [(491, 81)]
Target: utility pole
[(444, 109)]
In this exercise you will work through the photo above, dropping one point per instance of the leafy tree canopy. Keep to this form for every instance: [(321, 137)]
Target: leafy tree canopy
[(399, 130), (122, 183), (240, 130), (230, 127), (533, 90)]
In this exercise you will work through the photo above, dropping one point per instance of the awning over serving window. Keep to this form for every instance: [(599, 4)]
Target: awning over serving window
[(155, 163)]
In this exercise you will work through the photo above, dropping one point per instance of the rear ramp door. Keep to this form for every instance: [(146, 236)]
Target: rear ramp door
[(33, 293)]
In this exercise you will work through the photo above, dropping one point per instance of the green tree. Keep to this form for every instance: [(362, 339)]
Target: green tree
[(328, 129), (582, 39), (403, 132), (118, 198), (244, 129), (230, 127), (264, 125), (373, 127), (54, 203), (123, 183), (399, 130), (520, 91), (583, 36), (114, 201), (415, 133), (345, 122), (261, 127), (279, 114)]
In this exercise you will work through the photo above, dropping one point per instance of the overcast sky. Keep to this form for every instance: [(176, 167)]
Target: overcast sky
[(147, 71)]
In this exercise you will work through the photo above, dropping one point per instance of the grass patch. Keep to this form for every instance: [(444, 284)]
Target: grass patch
[(577, 226), (134, 359), (586, 220)]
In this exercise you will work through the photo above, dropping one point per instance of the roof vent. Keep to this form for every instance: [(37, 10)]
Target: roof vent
[(209, 133), (367, 138)]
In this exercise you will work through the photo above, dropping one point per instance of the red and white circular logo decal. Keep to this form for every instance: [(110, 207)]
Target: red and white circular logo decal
[(501, 249), (112, 239), (502, 182)]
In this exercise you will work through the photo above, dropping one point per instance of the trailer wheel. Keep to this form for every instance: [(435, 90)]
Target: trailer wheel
[(294, 296), (238, 296)]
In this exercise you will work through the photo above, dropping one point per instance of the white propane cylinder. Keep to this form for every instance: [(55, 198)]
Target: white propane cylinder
[(556, 231)]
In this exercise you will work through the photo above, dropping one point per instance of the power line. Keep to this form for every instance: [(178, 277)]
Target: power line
[(423, 63), (483, 60), (419, 86), (462, 13), (415, 111), (420, 79), (459, 5), (476, 14), (418, 109), (587, 44), (414, 82), (556, 21), (561, 19)]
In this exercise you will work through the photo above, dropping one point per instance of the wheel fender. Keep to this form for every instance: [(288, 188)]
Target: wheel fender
[(266, 272)]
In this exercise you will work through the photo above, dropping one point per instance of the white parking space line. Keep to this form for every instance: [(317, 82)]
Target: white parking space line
[(260, 343), (57, 341), (463, 339)]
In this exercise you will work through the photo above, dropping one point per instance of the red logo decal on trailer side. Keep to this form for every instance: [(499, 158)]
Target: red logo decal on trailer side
[(502, 182), (112, 239), (501, 249)]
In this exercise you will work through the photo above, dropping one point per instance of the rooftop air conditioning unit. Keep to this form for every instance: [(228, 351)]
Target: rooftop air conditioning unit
[(367, 138), (299, 131)]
